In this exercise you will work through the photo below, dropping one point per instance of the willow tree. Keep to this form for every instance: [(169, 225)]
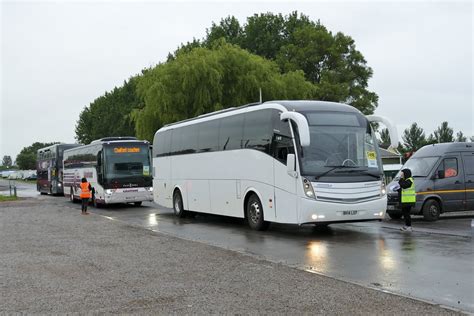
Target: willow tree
[(208, 79), (329, 60)]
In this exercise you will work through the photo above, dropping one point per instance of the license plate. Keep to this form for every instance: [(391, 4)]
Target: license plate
[(349, 212), (391, 207)]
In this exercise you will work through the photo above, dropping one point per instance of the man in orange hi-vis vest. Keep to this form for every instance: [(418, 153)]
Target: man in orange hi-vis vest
[(85, 195)]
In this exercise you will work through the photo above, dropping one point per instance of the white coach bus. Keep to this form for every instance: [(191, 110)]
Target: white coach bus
[(298, 162), (118, 169)]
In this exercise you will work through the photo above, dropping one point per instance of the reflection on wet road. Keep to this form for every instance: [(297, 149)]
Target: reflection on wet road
[(436, 267)]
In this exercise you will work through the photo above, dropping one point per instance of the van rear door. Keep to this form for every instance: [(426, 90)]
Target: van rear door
[(468, 159), (450, 186)]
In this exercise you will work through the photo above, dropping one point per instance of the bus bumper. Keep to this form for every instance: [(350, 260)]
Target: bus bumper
[(319, 212), (128, 195)]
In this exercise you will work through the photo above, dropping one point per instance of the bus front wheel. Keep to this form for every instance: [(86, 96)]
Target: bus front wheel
[(254, 214), (178, 204), (71, 197)]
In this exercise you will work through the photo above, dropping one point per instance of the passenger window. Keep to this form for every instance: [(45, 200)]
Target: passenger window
[(258, 130), (176, 141), (189, 139), (450, 167), (231, 132), (208, 139)]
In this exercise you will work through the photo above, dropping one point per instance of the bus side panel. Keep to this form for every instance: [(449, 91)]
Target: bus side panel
[(191, 174), (162, 185), (226, 172), (285, 195), (258, 176)]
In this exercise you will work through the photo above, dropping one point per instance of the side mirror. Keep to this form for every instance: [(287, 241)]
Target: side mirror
[(392, 129), (291, 166), (440, 174), (302, 124)]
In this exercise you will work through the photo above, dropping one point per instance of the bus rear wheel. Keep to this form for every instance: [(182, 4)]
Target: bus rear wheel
[(254, 214), (178, 204)]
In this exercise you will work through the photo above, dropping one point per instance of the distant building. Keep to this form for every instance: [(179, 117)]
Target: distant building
[(392, 163)]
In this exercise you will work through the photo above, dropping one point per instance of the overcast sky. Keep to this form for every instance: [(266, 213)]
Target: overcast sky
[(57, 57)]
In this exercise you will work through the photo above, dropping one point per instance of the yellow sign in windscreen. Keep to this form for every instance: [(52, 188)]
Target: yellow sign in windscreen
[(122, 150), (371, 155)]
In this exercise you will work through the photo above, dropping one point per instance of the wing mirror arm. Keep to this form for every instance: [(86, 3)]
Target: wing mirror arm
[(392, 130), (291, 165)]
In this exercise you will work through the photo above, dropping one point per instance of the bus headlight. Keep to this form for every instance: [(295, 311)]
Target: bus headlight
[(383, 189), (108, 191), (150, 189), (308, 188)]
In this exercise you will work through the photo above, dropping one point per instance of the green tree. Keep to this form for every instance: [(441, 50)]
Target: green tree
[(110, 114), (413, 138), (26, 159), (460, 138), (7, 161), (330, 61), (444, 133), (206, 80), (384, 139)]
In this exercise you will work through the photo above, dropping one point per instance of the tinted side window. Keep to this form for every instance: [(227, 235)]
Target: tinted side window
[(189, 139), (258, 130), (208, 136), (176, 141), (231, 132), (161, 144), (469, 164)]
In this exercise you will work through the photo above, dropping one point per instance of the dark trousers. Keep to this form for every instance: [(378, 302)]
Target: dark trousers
[(406, 214), (85, 202)]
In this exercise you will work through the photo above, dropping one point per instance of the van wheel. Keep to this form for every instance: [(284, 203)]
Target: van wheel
[(254, 214), (431, 210), (395, 215), (178, 204)]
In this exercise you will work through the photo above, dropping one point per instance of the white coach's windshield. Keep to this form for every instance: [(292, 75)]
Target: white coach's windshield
[(341, 143)]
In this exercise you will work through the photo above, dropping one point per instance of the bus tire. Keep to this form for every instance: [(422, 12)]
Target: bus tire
[(95, 203), (71, 197), (254, 214), (431, 210), (178, 204)]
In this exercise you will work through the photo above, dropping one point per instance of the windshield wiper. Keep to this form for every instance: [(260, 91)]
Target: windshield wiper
[(365, 171), (333, 168)]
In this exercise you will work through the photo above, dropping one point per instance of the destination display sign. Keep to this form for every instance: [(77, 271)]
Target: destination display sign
[(122, 150)]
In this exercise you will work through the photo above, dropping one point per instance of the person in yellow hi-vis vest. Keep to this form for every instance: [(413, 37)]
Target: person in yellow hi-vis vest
[(407, 197)]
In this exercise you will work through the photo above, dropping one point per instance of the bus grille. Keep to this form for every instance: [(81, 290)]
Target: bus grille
[(347, 193)]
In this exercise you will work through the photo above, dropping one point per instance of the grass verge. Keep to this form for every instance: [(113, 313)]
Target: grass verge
[(4, 198)]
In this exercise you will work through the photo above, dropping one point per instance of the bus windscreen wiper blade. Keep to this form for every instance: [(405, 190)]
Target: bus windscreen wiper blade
[(332, 168), (365, 171)]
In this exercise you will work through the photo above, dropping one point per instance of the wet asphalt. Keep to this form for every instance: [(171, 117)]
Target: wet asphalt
[(435, 263)]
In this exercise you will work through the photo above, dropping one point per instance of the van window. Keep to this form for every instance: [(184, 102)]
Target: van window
[(450, 167), (469, 164)]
